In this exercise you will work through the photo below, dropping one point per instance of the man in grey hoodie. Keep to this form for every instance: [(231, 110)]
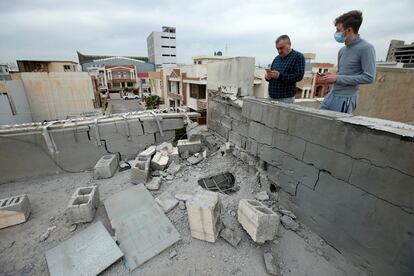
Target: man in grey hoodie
[(356, 65)]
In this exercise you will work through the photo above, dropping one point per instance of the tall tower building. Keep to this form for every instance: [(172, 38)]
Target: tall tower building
[(162, 47)]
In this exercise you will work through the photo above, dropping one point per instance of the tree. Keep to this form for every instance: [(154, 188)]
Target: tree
[(152, 102)]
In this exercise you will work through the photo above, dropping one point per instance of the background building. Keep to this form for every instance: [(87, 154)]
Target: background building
[(47, 66), (4, 72), (400, 52), (162, 47), (14, 107)]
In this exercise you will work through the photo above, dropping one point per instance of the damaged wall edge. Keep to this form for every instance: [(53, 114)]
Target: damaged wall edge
[(25, 153), (349, 178)]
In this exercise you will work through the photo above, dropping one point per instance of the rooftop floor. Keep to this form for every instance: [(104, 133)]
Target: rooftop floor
[(297, 253)]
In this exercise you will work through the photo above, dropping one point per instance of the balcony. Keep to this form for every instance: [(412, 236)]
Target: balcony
[(175, 96)]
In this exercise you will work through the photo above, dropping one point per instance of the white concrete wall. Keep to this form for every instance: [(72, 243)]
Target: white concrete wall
[(235, 72), (16, 94), (155, 50), (58, 94)]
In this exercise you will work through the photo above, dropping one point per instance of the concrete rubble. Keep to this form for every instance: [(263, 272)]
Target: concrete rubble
[(230, 236), (105, 167), (289, 223), (166, 201), (271, 267), (14, 210)]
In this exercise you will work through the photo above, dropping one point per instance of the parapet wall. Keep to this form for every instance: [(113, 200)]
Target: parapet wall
[(351, 179), (77, 146)]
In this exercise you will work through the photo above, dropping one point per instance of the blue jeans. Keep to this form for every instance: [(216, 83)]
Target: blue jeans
[(283, 100), (342, 104)]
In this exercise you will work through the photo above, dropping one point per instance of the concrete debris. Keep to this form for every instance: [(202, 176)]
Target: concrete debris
[(140, 171), (271, 267), (14, 210), (181, 205), (190, 146), (183, 197), (174, 156), (105, 167), (193, 131), (166, 201), (169, 177), (194, 160), (159, 161), (185, 154), (289, 223), (287, 213), (204, 215), (155, 173), (168, 147), (179, 175), (172, 254), (230, 236), (262, 196), (148, 153), (46, 234), (83, 205), (123, 166), (173, 168), (154, 184), (260, 222), (163, 174)]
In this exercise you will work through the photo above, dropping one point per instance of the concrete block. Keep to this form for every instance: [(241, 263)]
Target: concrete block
[(286, 182), (190, 146), (140, 171), (270, 264), (271, 155), (235, 112), (174, 156), (105, 167), (339, 165), (260, 222), (173, 168), (226, 122), (166, 201), (83, 205), (260, 133), (221, 130), (151, 126), (154, 184), (165, 147), (236, 139), (302, 172), (148, 153), (14, 210), (289, 144), (252, 147), (204, 215), (169, 135), (240, 128), (159, 161), (275, 116), (252, 110)]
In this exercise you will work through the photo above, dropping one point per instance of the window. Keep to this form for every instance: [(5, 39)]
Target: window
[(172, 55), (164, 55), (165, 37), (325, 70), (66, 67), (172, 47)]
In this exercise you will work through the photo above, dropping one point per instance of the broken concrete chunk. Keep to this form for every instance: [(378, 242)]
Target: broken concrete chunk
[(83, 205), (148, 153), (173, 254), (181, 205), (183, 197), (195, 160), (262, 196), (185, 154), (173, 168), (168, 147), (14, 210), (230, 236), (193, 131), (271, 267), (287, 213), (46, 234), (166, 201), (159, 161), (174, 156), (289, 223), (155, 173), (123, 166), (139, 175), (105, 167), (154, 184), (260, 222), (204, 215), (190, 146), (169, 177)]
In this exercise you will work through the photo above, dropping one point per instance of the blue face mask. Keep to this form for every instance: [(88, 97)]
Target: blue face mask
[(339, 37)]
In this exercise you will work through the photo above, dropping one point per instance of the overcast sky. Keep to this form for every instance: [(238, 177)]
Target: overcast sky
[(52, 29)]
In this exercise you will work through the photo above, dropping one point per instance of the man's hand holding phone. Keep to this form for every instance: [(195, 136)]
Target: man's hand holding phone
[(329, 78), (272, 74)]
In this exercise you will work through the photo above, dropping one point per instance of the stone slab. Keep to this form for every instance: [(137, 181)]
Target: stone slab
[(88, 252), (141, 227)]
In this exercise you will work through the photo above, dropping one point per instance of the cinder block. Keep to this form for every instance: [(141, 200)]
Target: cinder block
[(148, 153), (159, 162), (140, 171), (235, 112), (260, 133), (252, 147), (237, 139), (204, 215), (240, 128), (151, 126), (286, 182), (260, 222), (252, 110), (14, 210), (169, 135), (226, 122), (174, 156), (105, 167), (82, 205), (165, 146), (190, 146), (289, 144)]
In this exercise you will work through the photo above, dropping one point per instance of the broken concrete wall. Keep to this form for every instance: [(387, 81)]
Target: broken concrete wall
[(351, 179), (78, 148)]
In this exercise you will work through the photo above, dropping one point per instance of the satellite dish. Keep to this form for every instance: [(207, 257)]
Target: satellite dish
[(219, 53)]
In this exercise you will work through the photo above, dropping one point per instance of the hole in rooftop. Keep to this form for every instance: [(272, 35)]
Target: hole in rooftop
[(223, 183), (273, 188), (81, 200), (84, 191)]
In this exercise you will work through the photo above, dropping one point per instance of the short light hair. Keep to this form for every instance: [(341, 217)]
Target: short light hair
[(282, 37)]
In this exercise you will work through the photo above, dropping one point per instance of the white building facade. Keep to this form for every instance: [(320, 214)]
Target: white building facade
[(162, 47)]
